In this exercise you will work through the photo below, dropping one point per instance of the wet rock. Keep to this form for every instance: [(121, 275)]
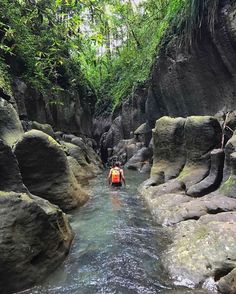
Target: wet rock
[(139, 159), (10, 177), (85, 156), (35, 237), (81, 173), (202, 249), (169, 149), (170, 209), (213, 180), (10, 126), (68, 137), (45, 170), (227, 283)]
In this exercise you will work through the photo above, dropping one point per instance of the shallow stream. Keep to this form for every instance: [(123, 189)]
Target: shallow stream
[(116, 248)]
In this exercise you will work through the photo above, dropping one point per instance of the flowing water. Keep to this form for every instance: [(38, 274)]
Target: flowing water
[(116, 248)]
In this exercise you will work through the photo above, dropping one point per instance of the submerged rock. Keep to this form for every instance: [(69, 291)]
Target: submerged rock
[(46, 172)]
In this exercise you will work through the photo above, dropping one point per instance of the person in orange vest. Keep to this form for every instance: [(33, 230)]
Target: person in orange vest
[(116, 176)]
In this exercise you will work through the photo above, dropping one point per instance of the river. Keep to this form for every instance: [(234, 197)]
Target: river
[(116, 247)]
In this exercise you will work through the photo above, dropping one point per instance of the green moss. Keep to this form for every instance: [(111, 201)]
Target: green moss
[(184, 173), (199, 118), (200, 233), (227, 186), (52, 141)]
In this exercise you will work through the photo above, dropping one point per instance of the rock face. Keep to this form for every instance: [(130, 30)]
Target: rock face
[(72, 112), (182, 148), (35, 235), (202, 252), (200, 80), (202, 249), (127, 118), (10, 127), (45, 170), (9, 171), (35, 238), (169, 153)]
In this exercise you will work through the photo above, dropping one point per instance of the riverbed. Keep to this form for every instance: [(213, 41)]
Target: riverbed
[(117, 246)]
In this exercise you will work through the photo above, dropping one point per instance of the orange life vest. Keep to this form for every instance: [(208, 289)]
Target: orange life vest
[(115, 176)]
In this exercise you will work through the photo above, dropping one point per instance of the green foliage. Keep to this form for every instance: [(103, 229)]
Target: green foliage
[(38, 36), (109, 44), (137, 28)]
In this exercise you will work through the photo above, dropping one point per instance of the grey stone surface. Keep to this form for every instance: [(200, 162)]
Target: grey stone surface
[(35, 238), (10, 126), (45, 170)]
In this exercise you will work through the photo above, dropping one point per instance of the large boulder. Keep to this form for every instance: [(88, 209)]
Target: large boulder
[(202, 249), (9, 171), (169, 149), (213, 180), (140, 159), (46, 128), (28, 255), (202, 134), (45, 170), (86, 157), (10, 126), (35, 237)]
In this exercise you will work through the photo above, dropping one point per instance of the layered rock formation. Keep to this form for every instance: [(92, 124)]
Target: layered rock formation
[(188, 164), (70, 111)]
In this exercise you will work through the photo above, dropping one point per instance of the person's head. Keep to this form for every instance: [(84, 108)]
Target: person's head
[(117, 164)]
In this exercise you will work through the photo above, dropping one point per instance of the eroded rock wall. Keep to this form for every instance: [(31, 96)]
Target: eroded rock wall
[(200, 80), (189, 196)]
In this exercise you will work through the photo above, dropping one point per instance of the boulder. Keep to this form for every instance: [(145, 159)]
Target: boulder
[(202, 249), (10, 126), (85, 156), (227, 283), (46, 128), (169, 153), (139, 159), (45, 170), (202, 134), (170, 209), (35, 238), (229, 149), (213, 180), (10, 177), (228, 187)]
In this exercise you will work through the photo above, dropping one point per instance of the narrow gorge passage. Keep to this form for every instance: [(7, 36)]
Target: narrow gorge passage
[(116, 246)]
